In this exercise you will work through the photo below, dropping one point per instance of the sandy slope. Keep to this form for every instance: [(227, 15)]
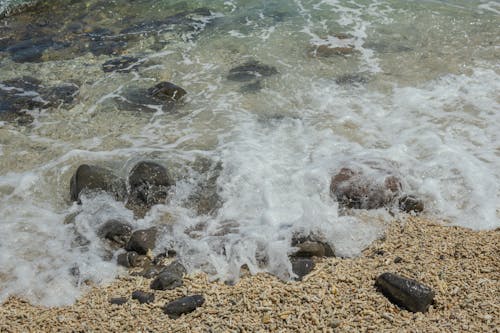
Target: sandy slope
[(462, 266)]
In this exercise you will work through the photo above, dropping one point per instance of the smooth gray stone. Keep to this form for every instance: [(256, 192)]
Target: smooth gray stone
[(183, 305), (302, 266), (95, 178), (407, 293)]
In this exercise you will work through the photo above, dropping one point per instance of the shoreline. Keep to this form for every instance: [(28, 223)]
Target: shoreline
[(459, 264)]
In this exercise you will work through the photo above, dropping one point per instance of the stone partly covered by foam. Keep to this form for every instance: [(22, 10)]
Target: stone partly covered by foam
[(311, 246), (149, 183), (91, 178), (354, 189), (183, 305), (116, 231), (142, 241), (407, 293)]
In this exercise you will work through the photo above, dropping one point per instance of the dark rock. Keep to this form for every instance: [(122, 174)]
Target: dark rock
[(30, 50), (252, 88), (116, 231), (166, 280), (311, 247), (183, 305), (329, 51), (302, 266), (353, 189), (410, 203), (107, 47), (167, 91), (175, 268), (151, 272), (251, 70), (118, 300), (351, 79), (90, 178), (131, 259), (149, 183), (63, 94), (407, 293), (185, 19), (397, 260), (143, 297), (142, 241), (17, 96), (123, 64)]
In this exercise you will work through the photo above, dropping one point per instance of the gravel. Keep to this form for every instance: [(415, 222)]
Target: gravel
[(460, 265)]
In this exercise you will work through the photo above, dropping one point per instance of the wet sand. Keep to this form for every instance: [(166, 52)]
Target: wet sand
[(462, 266)]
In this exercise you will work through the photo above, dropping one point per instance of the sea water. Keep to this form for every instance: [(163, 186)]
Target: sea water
[(420, 95)]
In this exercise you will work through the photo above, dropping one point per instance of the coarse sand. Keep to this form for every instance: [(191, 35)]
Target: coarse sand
[(461, 265)]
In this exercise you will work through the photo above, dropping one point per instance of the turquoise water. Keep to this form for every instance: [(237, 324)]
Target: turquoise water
[(411, 87)]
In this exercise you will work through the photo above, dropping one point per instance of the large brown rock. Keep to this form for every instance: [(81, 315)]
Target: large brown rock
[(354, 189)]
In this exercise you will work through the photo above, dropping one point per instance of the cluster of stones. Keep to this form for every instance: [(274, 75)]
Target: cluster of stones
[(17, 96)]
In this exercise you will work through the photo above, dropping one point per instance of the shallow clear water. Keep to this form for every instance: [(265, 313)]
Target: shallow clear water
[(423, 99)]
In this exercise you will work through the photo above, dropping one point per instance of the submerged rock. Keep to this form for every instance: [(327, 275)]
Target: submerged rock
[(91, 178), (351, 79), (30, 50), (251, 70), (116, 231), (123, 64), (404, 292), (143, 297), (167, 92), (354, 189), (149, 183), (302, 266), (329, 51), (20, 95), (183, 305), (142, 241)]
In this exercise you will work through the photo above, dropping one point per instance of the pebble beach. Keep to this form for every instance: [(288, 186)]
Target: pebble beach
[(459, 264)]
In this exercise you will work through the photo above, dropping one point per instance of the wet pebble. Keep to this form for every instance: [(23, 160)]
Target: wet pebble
[(407, 293), (183, 305), (131, 259), (302, 266), (143, 297), (142, 241), (118, 300), (116, 231)]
